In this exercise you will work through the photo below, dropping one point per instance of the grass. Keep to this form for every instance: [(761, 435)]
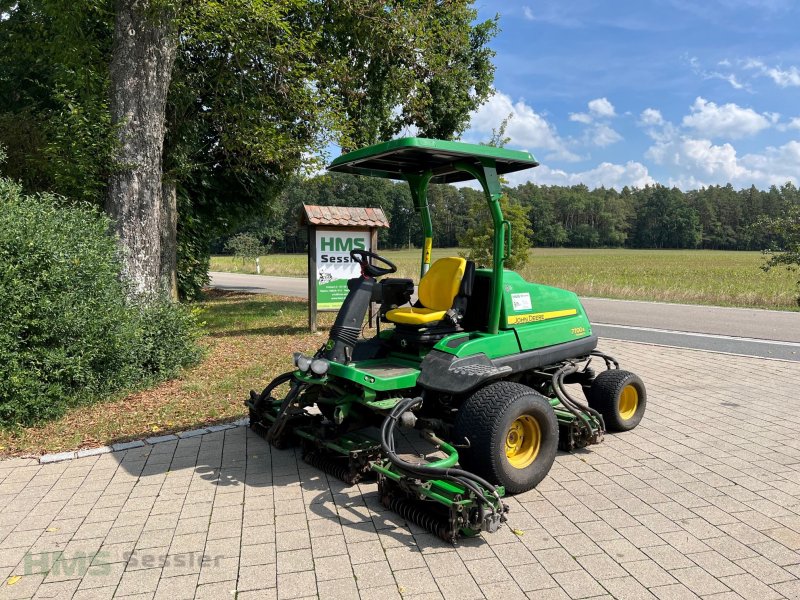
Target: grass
[(249, 340), (688, 276)]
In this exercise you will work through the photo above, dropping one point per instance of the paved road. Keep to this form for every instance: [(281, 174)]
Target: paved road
[(260, 284), (701, 501), (763, 333), (778, 325)]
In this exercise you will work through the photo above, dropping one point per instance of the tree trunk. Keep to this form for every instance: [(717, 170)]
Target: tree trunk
[(145, 45), (169, 239)]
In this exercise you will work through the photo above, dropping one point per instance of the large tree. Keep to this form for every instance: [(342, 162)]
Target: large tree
[(144, 50), (207, 107)]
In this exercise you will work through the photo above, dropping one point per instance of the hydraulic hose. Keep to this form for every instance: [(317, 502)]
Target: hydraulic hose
[(610, 360), (576, 407), (463, 478)]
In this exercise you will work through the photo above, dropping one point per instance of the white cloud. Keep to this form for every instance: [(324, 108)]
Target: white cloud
[(651, 117), (699, 162), (602, 135), (632, 174), (782, 77), (775, 165), (730, 77), (794, 123), (584, 118), (727, 120), (785, 78), (526, 10), (601, 107), (526, 128)]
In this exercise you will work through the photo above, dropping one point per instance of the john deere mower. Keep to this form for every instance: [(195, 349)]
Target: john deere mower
[(479, 364)]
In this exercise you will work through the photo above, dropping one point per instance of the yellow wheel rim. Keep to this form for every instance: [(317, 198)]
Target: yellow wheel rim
[(628, 402), (523, 440)]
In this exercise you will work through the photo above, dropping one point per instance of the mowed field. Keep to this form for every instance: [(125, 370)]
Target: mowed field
[(689, 276)]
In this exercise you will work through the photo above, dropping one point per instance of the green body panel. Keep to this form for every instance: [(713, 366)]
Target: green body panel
[(540, 325), (496, 345), (379, 374), (540, 315)]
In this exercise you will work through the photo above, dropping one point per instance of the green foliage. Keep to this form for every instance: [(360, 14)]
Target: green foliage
[(245, 245), (479, 238), (664, 219), (193, 260), (165, 340), (257, 88), (784, 250), (68, 334), (54, 115), (392, 64), (242, 118)]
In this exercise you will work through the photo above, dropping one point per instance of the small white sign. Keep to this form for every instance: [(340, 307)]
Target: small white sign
[(521, 301)]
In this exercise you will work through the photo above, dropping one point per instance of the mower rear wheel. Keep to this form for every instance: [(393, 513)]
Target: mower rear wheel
[(620, 397), (512, 433)]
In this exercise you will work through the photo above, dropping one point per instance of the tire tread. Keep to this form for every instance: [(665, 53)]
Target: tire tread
[(603, 396), (479, 418)]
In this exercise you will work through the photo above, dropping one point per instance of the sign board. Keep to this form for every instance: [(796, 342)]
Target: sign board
[(334, 265), (333, 232)]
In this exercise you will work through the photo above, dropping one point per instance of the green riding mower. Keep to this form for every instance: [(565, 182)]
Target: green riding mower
[(479, 365)]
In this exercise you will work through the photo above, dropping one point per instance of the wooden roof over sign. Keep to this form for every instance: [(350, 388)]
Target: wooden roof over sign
[(343, 216)]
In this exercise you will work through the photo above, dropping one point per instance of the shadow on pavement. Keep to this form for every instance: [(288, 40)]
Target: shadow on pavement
[(214, 467)]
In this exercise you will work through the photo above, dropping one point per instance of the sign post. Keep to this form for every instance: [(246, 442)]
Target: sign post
[(333, 231)]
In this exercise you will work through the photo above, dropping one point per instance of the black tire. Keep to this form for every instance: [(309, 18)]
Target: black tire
[(486, 419), (606, 393)]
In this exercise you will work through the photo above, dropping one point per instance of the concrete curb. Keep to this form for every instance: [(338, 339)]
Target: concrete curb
[(46, 459)]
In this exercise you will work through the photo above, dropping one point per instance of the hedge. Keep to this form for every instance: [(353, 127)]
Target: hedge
[(69, 332)]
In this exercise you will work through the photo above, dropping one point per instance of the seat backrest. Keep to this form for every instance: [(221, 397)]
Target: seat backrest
[(441, 283)]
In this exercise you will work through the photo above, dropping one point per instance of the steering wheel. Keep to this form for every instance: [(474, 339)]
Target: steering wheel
[(367, 268)]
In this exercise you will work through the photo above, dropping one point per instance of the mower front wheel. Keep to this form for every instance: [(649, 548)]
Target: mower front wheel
[(620, 397), (512, 433)]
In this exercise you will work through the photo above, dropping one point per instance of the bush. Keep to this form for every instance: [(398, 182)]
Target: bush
[(245, 245), (479, 239), (785, 232), (68, 333)]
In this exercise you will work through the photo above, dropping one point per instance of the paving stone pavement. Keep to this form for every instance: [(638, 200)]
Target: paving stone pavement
[(701, 500)]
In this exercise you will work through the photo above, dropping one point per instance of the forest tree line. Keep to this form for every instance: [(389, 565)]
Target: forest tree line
[(716, 217)]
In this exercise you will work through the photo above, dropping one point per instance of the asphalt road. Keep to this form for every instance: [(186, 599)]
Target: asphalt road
[(751, 332), (260, 284)]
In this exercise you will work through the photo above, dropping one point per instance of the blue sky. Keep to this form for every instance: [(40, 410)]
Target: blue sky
[(680, 92)]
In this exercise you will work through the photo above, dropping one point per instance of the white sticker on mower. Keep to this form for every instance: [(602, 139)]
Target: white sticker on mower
[(521, 301)]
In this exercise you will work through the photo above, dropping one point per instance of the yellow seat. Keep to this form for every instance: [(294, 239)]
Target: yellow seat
[(411, 315), (437, 290)]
